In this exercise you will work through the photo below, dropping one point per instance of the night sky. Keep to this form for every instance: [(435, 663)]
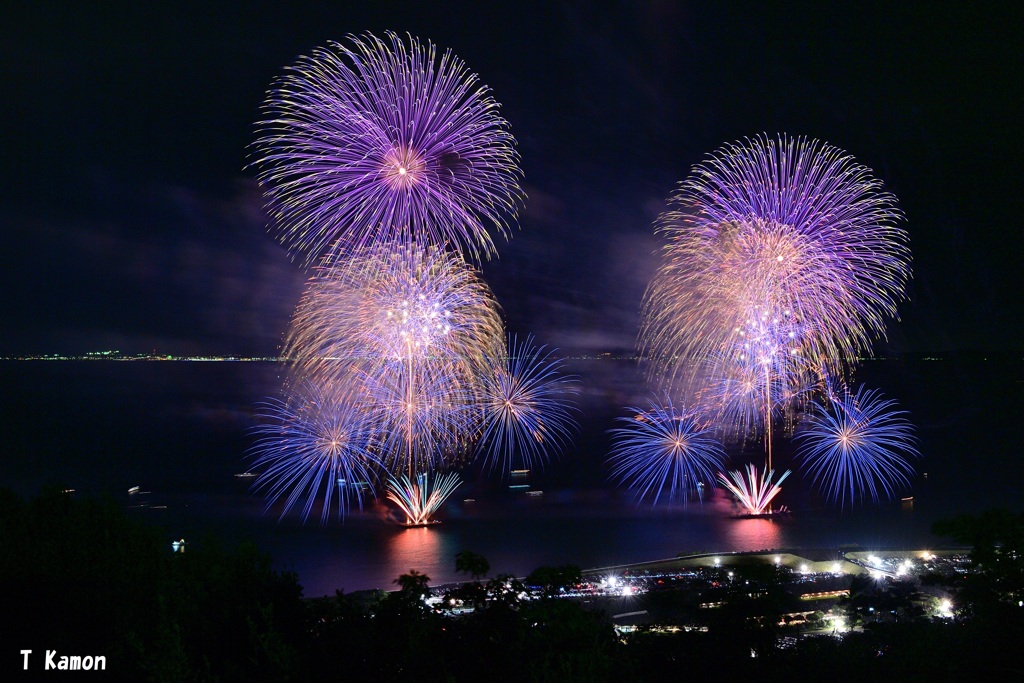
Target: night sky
[(130, 222)]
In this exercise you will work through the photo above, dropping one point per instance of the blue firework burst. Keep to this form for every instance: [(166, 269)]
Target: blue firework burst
[(527, 413), (312, 449), (663, 447), (858, 446)]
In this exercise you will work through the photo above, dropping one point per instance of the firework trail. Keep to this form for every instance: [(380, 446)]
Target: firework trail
[(753, 490), (525, 412), (785, 228), (311, 444), (419, 498), (382, 140), (857, 447), (763, 379), (423, 417), (664, 447)]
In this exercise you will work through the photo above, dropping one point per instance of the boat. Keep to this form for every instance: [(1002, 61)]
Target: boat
[(767, 514), (414, 525)]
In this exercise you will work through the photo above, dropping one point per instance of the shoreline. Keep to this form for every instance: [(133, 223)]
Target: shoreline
[(809, 560)]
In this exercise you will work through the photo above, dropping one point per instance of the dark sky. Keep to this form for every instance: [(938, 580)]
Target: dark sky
[(130, 222)]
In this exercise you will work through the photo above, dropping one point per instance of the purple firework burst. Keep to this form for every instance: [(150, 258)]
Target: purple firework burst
[(858, 446), (785, 228), (663, 447), (525, 411), (379, 140), (398, 309), (408, 334)]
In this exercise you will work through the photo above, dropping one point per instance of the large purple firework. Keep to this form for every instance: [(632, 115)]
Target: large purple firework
[(661, 447), (858, 446), (775, 228), (408, 333), (526, 414), (313, 448), (382, 140)]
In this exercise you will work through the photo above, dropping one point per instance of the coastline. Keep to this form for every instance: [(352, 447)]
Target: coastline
[(807, 560)]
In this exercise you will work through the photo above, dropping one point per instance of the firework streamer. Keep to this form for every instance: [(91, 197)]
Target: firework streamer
[(753, 490), (857, 446), (420, 497), (661, 448), (526, 411), (382, 140)]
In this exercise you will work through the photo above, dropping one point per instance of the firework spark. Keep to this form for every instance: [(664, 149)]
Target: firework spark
[(310, 445), (764, 378), (755, 490), (421, 497), (781, 229), (407, 334), (524, 409), (422, 416), (664, 447), (381, 140), (385, 309), (857, 447)]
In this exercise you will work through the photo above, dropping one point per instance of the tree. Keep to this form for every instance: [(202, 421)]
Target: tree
[(414, 584), (475, 565)]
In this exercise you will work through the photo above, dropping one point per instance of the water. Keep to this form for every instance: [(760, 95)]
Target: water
[(179, 431)]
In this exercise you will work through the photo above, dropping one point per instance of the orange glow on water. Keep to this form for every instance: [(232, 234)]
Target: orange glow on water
[(753, 534), (419, 548)]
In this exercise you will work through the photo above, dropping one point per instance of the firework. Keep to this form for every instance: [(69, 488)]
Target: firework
[(764, 378), (664, 447), (524, 409), (407, 334), (780, 229), (755, 490), (313, 444), (857, 446), (382, 140), (419, 498), (394, 307), (423, 415)]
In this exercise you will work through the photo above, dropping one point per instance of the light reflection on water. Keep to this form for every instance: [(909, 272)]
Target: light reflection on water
[(416, 548), (519, 535), (754, 534)]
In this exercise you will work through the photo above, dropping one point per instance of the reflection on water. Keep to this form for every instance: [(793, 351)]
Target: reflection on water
[(419, 548), (753, 534)]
